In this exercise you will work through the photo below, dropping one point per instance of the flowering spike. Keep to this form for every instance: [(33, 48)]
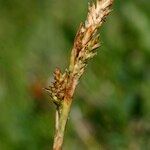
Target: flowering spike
[(84, 48)]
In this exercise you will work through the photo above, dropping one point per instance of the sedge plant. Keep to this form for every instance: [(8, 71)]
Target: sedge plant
[(84, 48)]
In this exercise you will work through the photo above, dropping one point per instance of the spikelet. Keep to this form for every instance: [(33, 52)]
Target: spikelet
[(87, 38), (57, 88)]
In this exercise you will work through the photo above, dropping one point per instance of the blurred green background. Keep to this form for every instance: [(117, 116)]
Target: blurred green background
[(111, 107)]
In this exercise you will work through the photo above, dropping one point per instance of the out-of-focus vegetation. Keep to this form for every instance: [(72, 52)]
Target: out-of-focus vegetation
[(112, 102)]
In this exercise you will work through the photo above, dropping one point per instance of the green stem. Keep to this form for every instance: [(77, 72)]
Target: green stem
[(61, 121)]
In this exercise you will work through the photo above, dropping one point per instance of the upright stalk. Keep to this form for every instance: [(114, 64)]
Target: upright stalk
[(59, 135), (84, 48)]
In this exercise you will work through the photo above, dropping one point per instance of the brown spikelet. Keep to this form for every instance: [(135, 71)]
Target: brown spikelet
[(58, 87), (87, 39)]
